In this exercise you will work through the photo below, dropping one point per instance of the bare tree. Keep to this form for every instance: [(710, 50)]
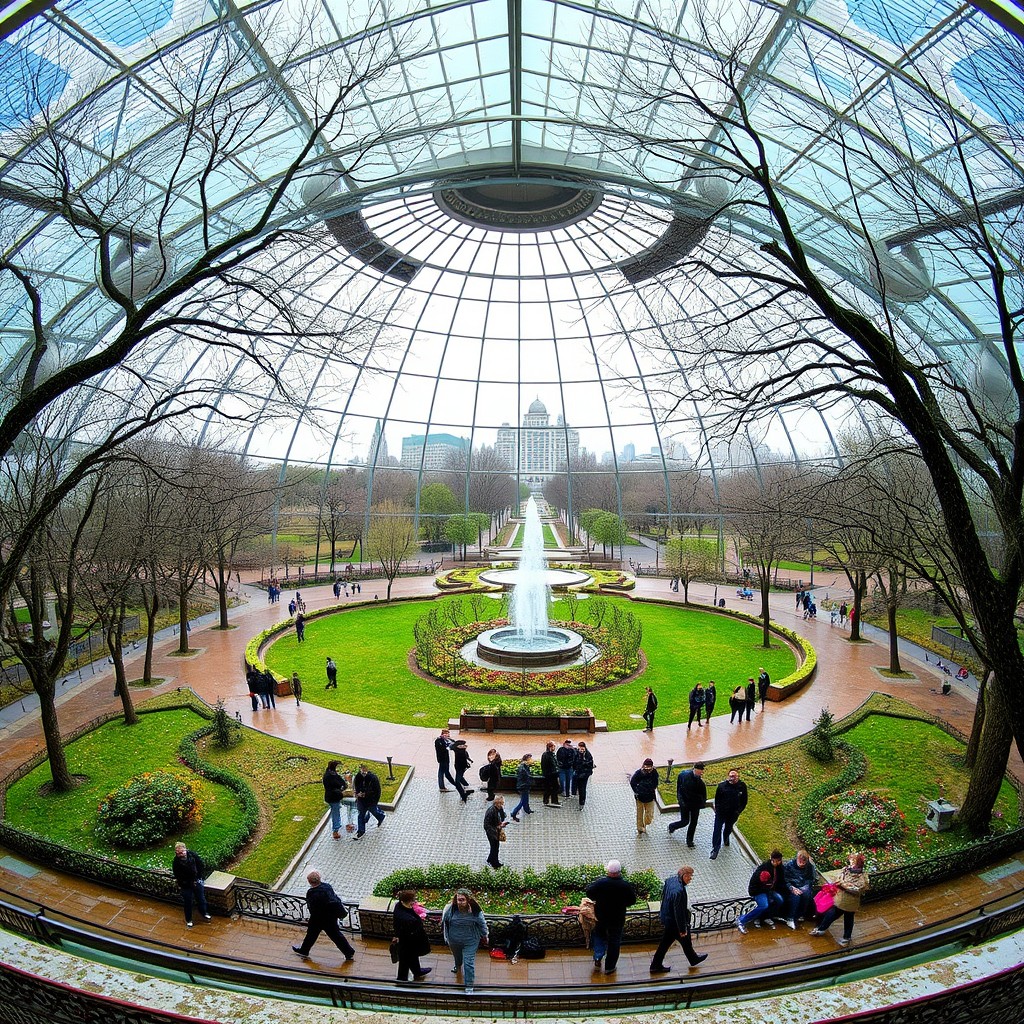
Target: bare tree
[(341, 509), (390, 539)]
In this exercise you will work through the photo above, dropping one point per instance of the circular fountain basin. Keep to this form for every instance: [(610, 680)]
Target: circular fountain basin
[(553, 578), (507, 646)]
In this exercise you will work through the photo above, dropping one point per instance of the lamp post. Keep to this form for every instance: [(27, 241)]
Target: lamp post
[(391, 774), (668, 773)]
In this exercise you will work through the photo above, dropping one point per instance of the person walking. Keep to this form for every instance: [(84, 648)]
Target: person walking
[(462, 763), (410, 937), (750, 697), (334, 791), (325, 908), (332, 675), (691, 795), (583, 768), (612, 896), (644, 784), (188, 870), (675, 919), (737, 702), (297, 689), (490, 773), (523, 783), (464, 930), (494, 819), (730, 800), (549, 773), (300, 626), (696, 704), (442, 753), (710, 699), (367, 787), (851, 885), (766, 889), (649, 709), (566, 758), (763, 682)]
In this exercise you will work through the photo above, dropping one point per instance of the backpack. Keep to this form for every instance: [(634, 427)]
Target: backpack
[(531, 949), (485, 772)]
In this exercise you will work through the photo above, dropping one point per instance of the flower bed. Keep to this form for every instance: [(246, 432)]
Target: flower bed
[(855, 819)]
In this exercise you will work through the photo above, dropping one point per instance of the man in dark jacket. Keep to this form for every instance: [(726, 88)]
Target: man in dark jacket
[(763, 682), (462, 763), (324, 910), (696, 704), (566, 758), (644, 784), (692, 795), (751, 698), (493, 818), (766, 888), (549, 773), (332, 672), (334, 791), (710, 699), (675, 919), (730, 800), (188, 870), (649, 709), (612, 896), (442, 753), (367, 787)]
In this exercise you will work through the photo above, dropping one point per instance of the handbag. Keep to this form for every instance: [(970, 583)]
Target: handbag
[(394, 951), (823, 900), (485, 772), (501, 834)]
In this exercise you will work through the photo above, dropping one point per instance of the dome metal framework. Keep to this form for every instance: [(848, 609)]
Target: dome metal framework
[(503, 214)]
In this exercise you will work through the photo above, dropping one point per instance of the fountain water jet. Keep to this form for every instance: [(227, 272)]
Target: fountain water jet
[(530, 640)]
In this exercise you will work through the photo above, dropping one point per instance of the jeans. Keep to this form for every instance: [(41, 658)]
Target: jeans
[(721, 831), (688, 820), (768, 904), (335, 816), (364, 814), (565, 776), (465, 957), (580, 784), (524, 802), (198, 893), (799, 904), (831, 914), (443, 772), (606, 944)]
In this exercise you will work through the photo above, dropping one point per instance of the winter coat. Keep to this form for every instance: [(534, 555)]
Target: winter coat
[(851, 886), (334, 786), (644, 785), (612, 896), (368, 784), (775, 883), (566, 757), (583, 765), (523, 778), (696, 698), (188, 870), (730, 799), (675, 909), (691, 791), (548, 764), (493, 817)]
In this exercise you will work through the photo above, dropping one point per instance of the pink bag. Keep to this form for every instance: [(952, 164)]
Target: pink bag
[(823, 899)]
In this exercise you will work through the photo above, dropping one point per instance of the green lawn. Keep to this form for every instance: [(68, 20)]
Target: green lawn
[(371, 646), (108, 757)]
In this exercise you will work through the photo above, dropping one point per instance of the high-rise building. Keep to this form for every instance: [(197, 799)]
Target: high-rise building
[(378, 453), (433, 450), (629, 452), (537, 449)]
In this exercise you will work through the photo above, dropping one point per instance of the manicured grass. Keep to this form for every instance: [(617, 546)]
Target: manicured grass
[(371, 645), (910, 760), (286, 778), (108, 757)]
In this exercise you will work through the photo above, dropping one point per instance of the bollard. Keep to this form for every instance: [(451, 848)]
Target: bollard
[(668, 774), (391, 774)]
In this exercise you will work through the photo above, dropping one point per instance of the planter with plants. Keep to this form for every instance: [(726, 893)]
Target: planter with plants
[(524, 717)]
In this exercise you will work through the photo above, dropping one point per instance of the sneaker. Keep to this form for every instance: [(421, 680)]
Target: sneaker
[(207, 917), (296, 949), (359, 835), (791, 924), (714, 855), (455, 970), (349, 828), (741, 928), (469, 991), (382, 820), (816, 931), (660, 969), (188, 924), (770, 923), (843, 942), (597, 963), (335, 835), (698, 960), (757, 923)]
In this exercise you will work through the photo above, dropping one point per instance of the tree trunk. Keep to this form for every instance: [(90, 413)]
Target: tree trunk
[(59, 771), (152, 606), (686, 591), (221, 583), (894, 640), (182, 617), (859, 590), (979, 720), (766, 634), (989, 766), (115, 634)]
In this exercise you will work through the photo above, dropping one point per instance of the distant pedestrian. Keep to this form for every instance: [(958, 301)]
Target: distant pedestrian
[(842, 614), (462, 763), (566, 758), (710, 699), (188, 870), (443, 756), (612, 896), (337, 590), (491, 773), (494, 818), (696, 704), (649, 710), (750, 697), (270, 688), (644, 784), (367, 787), (325, 909), (464, 930), (410, 937), (524, 780), (730, 800), (583, 768), (300, 627), (737, 702), (675, 919), (549, 775), (332, 675), (692, 796), (297, 688), (763, 682), (334, 791)]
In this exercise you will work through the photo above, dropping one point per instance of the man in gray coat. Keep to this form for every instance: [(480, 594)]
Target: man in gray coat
[(675, 918)]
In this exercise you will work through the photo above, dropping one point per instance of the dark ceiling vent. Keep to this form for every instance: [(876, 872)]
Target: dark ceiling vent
[(354, 235)]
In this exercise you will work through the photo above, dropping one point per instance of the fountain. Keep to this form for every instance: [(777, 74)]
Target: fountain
[(530, 640)]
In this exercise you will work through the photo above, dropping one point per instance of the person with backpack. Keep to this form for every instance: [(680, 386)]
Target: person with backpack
[(490, 773), (652, 706)]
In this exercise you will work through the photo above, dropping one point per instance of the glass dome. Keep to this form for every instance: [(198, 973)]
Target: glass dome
[(513, 221)]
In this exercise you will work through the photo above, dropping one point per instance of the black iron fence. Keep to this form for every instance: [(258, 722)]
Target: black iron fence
[(258, 901)]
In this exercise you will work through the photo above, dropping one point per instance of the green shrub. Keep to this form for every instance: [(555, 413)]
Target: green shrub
[(147, 809), (227, 731), (820, 742)]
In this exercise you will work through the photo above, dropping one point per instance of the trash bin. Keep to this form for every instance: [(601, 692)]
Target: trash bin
[(939, 816)]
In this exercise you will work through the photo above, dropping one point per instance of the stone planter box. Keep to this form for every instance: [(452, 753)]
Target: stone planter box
[(531, 723), (554, 931)]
